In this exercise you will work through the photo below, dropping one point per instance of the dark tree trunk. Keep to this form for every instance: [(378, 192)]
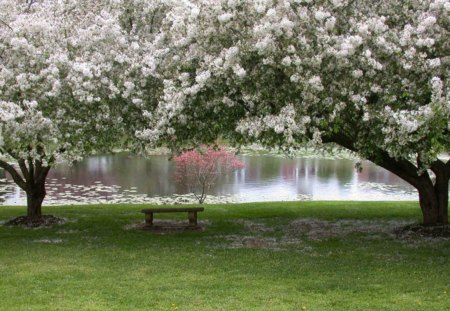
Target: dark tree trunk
[(35, 176), (32, 181), (434, 204), (35, 197), (433, 196)]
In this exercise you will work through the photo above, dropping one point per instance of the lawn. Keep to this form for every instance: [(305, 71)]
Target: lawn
[(258, 256)]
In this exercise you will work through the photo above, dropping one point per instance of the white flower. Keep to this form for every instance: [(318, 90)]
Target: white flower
[(358, 99), (135, 46), (218, 62), (316, 83), (224, 18), (337, 3), (427, 22), (321, 15), (239, 71), (203, 77), (265, 44), (195, 11), (183, 77), (279, 128), (137, 101), (271, 13), (357, 73), (434, 63), (286, 24), (330, 22), (286, 61), (9, 111), (366, 117), (375, 88), (129, 86), (231, 53), (428, 42), (232, 3)]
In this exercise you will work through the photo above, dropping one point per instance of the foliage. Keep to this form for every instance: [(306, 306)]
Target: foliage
[(54, 75), (200, 169), (82, 76), (282, 72), (69, 72), (371, 76)]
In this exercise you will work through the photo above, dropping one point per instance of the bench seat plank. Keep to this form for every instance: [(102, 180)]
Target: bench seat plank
[(172, 210), (192, 214)]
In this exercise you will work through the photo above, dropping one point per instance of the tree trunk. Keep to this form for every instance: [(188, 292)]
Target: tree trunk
[(35, 197), (433, 211), (32, 181), (202, 198), (433, 198)]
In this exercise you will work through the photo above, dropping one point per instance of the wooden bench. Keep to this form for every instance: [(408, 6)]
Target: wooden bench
[(192, 213)]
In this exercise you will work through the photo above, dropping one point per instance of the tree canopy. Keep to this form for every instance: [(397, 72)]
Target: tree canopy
[(69, 72), (371, 76)]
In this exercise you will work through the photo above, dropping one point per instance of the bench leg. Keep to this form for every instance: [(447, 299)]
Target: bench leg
[(149, 219), (192, 216)]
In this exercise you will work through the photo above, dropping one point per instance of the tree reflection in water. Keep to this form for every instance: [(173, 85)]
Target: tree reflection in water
[(265, 178)]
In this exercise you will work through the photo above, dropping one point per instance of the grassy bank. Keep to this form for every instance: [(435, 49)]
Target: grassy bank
[(259, 256)]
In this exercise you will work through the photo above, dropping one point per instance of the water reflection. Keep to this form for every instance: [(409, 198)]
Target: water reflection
[(126, 178), (320, 179)]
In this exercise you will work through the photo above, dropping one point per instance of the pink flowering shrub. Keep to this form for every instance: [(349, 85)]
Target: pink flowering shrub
[(200, 169)]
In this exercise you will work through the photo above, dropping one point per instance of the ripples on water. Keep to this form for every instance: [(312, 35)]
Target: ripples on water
[(122, 178)]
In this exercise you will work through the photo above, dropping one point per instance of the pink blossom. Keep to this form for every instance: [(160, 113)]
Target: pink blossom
[(200, 169)]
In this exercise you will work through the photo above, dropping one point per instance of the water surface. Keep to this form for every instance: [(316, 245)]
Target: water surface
[(133, 179)]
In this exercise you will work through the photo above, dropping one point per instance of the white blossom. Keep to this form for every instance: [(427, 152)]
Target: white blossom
[(203, 77), (286, 61), (239, 71), (224, 18)]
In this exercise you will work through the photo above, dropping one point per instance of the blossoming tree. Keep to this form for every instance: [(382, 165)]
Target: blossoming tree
[(68, 76), (371, 76), (199, 170)]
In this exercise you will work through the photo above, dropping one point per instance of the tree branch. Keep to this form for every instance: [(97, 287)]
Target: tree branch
[(440, 168), (42, 174), (37, 167), (6, 24), (12, 154), (30, 3), (14, 174), (402, 168), (31, 169), (24, 170)]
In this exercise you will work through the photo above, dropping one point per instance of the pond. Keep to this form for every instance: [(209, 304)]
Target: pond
[(124, 178)]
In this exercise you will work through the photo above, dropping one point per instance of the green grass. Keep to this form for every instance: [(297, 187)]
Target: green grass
[(100, 265)]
